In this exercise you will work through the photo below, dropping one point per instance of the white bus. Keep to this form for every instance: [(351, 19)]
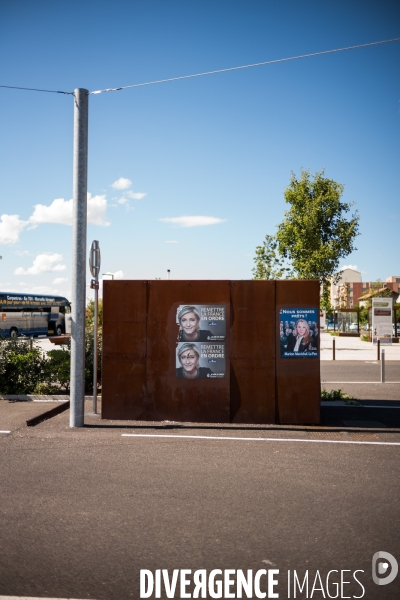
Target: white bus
[(32, 315)]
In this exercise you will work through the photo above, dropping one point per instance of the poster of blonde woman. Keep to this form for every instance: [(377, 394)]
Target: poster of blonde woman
[(298, 332), (201, 322), (200, 360)]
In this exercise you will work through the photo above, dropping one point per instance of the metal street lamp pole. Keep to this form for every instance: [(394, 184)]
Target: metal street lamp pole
[(77, 394)]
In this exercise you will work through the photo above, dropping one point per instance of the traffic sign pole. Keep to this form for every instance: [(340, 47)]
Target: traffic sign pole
[(94, 264)]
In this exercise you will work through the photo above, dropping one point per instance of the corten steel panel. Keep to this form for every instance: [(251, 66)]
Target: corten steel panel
[(124, 387), (124, 349), (200, 400), (139, 340), (298, 387), (252, 352)]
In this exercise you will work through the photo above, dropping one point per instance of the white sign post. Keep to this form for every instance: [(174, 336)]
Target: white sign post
[(94, 264), (382, 320)]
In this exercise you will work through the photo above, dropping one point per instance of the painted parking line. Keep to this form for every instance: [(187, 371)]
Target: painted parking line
[(255, 439), (4, 431)]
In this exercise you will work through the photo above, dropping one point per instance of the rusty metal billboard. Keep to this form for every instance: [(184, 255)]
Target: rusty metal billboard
[(208, 351)]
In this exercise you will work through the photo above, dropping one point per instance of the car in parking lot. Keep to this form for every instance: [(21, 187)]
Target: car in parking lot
[(353, 327)]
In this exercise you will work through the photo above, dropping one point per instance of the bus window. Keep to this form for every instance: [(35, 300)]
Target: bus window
[(31, 315)]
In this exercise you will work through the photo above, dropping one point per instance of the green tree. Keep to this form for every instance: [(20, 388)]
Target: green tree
[(90, 313), (363, 314), (314, 234), (269, 263), (376, 285)]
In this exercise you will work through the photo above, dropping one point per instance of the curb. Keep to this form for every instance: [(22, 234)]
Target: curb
[(36, 398), (63, 402)]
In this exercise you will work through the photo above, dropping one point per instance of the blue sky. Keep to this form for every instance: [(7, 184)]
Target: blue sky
[(221, 146)]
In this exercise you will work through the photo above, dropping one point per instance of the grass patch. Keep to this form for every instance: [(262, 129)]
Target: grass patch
[(339, 395), (333, 333), (365, 337)]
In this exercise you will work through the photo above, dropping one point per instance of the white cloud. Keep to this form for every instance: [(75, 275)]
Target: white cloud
[(171, 241), (192, 221), (60, 211), (97, 210), (10, 228), (354, 267), (131, 195), (22, 252), (59, 280), (42, 264), (121, 184), (135, 195), (117, 275)]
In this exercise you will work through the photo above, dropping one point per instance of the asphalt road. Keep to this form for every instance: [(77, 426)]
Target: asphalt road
[(357, 370), (82, 511), (347, 375)]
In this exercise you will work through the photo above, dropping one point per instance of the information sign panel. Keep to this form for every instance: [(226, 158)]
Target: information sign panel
[(382, 320)]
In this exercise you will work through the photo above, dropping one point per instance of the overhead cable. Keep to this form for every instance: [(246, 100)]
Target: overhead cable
[(268, 62), (260, 64), (13, 87)]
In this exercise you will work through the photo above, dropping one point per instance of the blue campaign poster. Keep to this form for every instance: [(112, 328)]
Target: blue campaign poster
[(298, 332)]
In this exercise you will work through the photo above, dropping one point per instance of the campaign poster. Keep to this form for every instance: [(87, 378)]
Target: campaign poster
[(382, 320), (298, 332), (201, 322), (200, 360)]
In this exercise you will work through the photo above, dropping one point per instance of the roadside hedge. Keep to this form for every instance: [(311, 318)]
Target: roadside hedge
[(26, 369)]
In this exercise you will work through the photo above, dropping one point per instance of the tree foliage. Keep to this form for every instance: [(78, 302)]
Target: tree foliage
[(21, 367), (26, 369), (269, 264), (90, 313), (314, 234)]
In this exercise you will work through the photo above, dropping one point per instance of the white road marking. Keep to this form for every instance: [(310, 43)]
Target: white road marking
[(255, 439), (377, 406), (364, 382), (4, 431)]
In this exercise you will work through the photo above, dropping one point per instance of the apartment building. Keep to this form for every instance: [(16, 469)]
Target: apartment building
[(347, 291)]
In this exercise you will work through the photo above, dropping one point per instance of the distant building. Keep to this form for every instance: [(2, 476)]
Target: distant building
[(342, 292), (385, 292), (347, 291)]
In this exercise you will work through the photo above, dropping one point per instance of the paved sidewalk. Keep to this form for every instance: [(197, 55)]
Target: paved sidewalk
[(352, 348)]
